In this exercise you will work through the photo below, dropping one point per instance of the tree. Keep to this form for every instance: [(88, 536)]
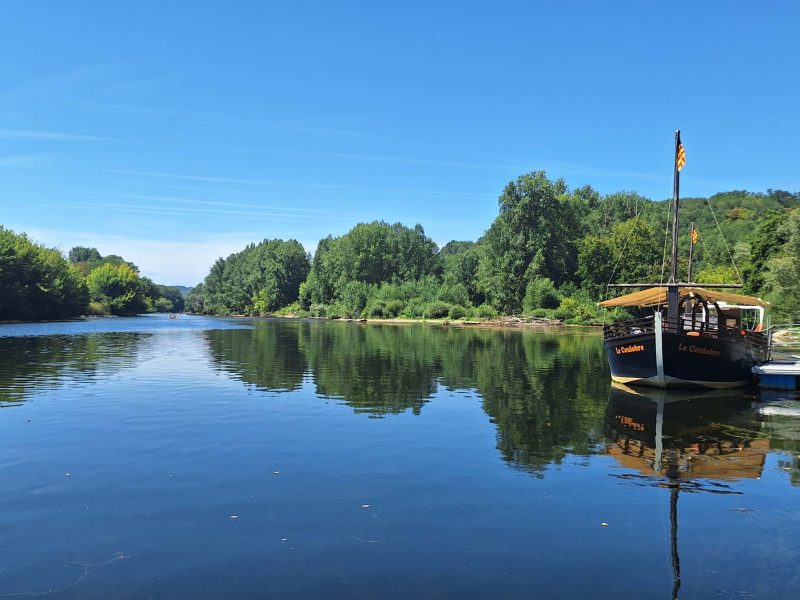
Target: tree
[(84, 254), (118, 287), (784, 272), (258, 280), (534, 236), (631, 254), (37, 282), (371, 253)]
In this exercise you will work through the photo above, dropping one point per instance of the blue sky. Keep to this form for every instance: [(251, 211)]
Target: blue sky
[(175, 132)]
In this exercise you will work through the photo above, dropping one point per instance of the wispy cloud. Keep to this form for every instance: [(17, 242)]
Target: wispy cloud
[(298, 184), (39, 135), (22, 160), (291, 125), (260, 207), (139, 209)]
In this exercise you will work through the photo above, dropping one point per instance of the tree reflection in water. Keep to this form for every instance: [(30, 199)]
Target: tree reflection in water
[(545, 391), (35, 363)]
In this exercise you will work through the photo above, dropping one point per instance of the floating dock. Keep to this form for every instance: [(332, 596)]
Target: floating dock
[(779, 374)]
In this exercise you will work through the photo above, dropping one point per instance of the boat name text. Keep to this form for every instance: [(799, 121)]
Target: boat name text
[(698, 350), (631, 348)]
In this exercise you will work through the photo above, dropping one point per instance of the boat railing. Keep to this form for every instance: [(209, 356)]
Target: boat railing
[(690, 327), (629, 327), (784, 340)]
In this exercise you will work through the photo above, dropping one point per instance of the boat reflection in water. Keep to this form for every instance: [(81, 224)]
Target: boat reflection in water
[(681, 439)]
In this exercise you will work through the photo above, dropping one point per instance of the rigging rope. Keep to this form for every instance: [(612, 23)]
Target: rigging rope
[(724, 241), (624, 246)]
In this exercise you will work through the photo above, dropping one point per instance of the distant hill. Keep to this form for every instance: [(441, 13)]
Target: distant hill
[(183, 289)]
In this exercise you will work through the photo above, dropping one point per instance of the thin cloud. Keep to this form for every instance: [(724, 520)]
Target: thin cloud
[(38, 135), (181, 211), (291, 126), (22, 160), (296, 184), (286, 209)]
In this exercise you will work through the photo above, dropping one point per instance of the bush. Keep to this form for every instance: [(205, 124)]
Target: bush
[(486, 311), (383, 309), (354, 298), (294, 309), (436, 310), (99, 308), (453, 294), (318, 310), (393, 308), (457, 311), (542, 313), (540, 293), (336, 311), (414, 309), (578, 310)]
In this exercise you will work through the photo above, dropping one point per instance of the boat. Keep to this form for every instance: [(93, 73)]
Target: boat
[(695, 337)]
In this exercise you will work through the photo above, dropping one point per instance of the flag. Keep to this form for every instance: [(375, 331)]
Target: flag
[(681, 160), (694, 236)]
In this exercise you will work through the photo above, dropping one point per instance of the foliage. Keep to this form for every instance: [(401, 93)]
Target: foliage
[(534, 235), (256, 281), (370, 253), (117, 286), (540, 293), (784, 272), (37, 282)]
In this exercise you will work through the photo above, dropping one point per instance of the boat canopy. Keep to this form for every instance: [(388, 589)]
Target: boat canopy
[(657, 296)]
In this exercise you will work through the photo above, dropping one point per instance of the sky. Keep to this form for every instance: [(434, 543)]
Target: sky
[(173, 133)]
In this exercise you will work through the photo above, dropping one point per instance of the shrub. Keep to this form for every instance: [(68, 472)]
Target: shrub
[(577, 309), (376, 309), (436, 310), (414, 309), (540, 293), (457, 311), (318, 310), (393, 308), (354, 298), (292, 310), (99, 308), (336, 311), (486, 311)]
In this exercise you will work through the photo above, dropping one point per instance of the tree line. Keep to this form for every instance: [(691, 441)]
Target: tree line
[(550, 252), (39, 283)]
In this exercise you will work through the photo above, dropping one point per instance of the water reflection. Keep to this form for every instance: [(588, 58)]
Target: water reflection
[(267, 356), (545, 391), (691, 435), (32, 364), (684, 442)]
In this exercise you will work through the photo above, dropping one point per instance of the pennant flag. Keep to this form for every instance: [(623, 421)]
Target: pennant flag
[(694, 236), (681, 156)]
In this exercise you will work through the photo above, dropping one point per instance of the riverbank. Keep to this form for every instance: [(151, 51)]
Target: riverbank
[(496, 323)]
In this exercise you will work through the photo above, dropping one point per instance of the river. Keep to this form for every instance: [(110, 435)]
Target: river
[(198, 457)]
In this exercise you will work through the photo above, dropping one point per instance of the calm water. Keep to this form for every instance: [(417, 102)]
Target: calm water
[(210, 458)]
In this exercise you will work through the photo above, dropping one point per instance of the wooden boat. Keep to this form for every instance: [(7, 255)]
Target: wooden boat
[(696, 336)]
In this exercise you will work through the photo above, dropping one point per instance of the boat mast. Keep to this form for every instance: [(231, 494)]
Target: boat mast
[(672, 286), (691, 251)]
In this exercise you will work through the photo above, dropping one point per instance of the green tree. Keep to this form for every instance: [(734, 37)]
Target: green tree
[(84, 254), (118, 287), (258, 280), (371, 253), (533, 236), (632, 254), (37, 282)]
